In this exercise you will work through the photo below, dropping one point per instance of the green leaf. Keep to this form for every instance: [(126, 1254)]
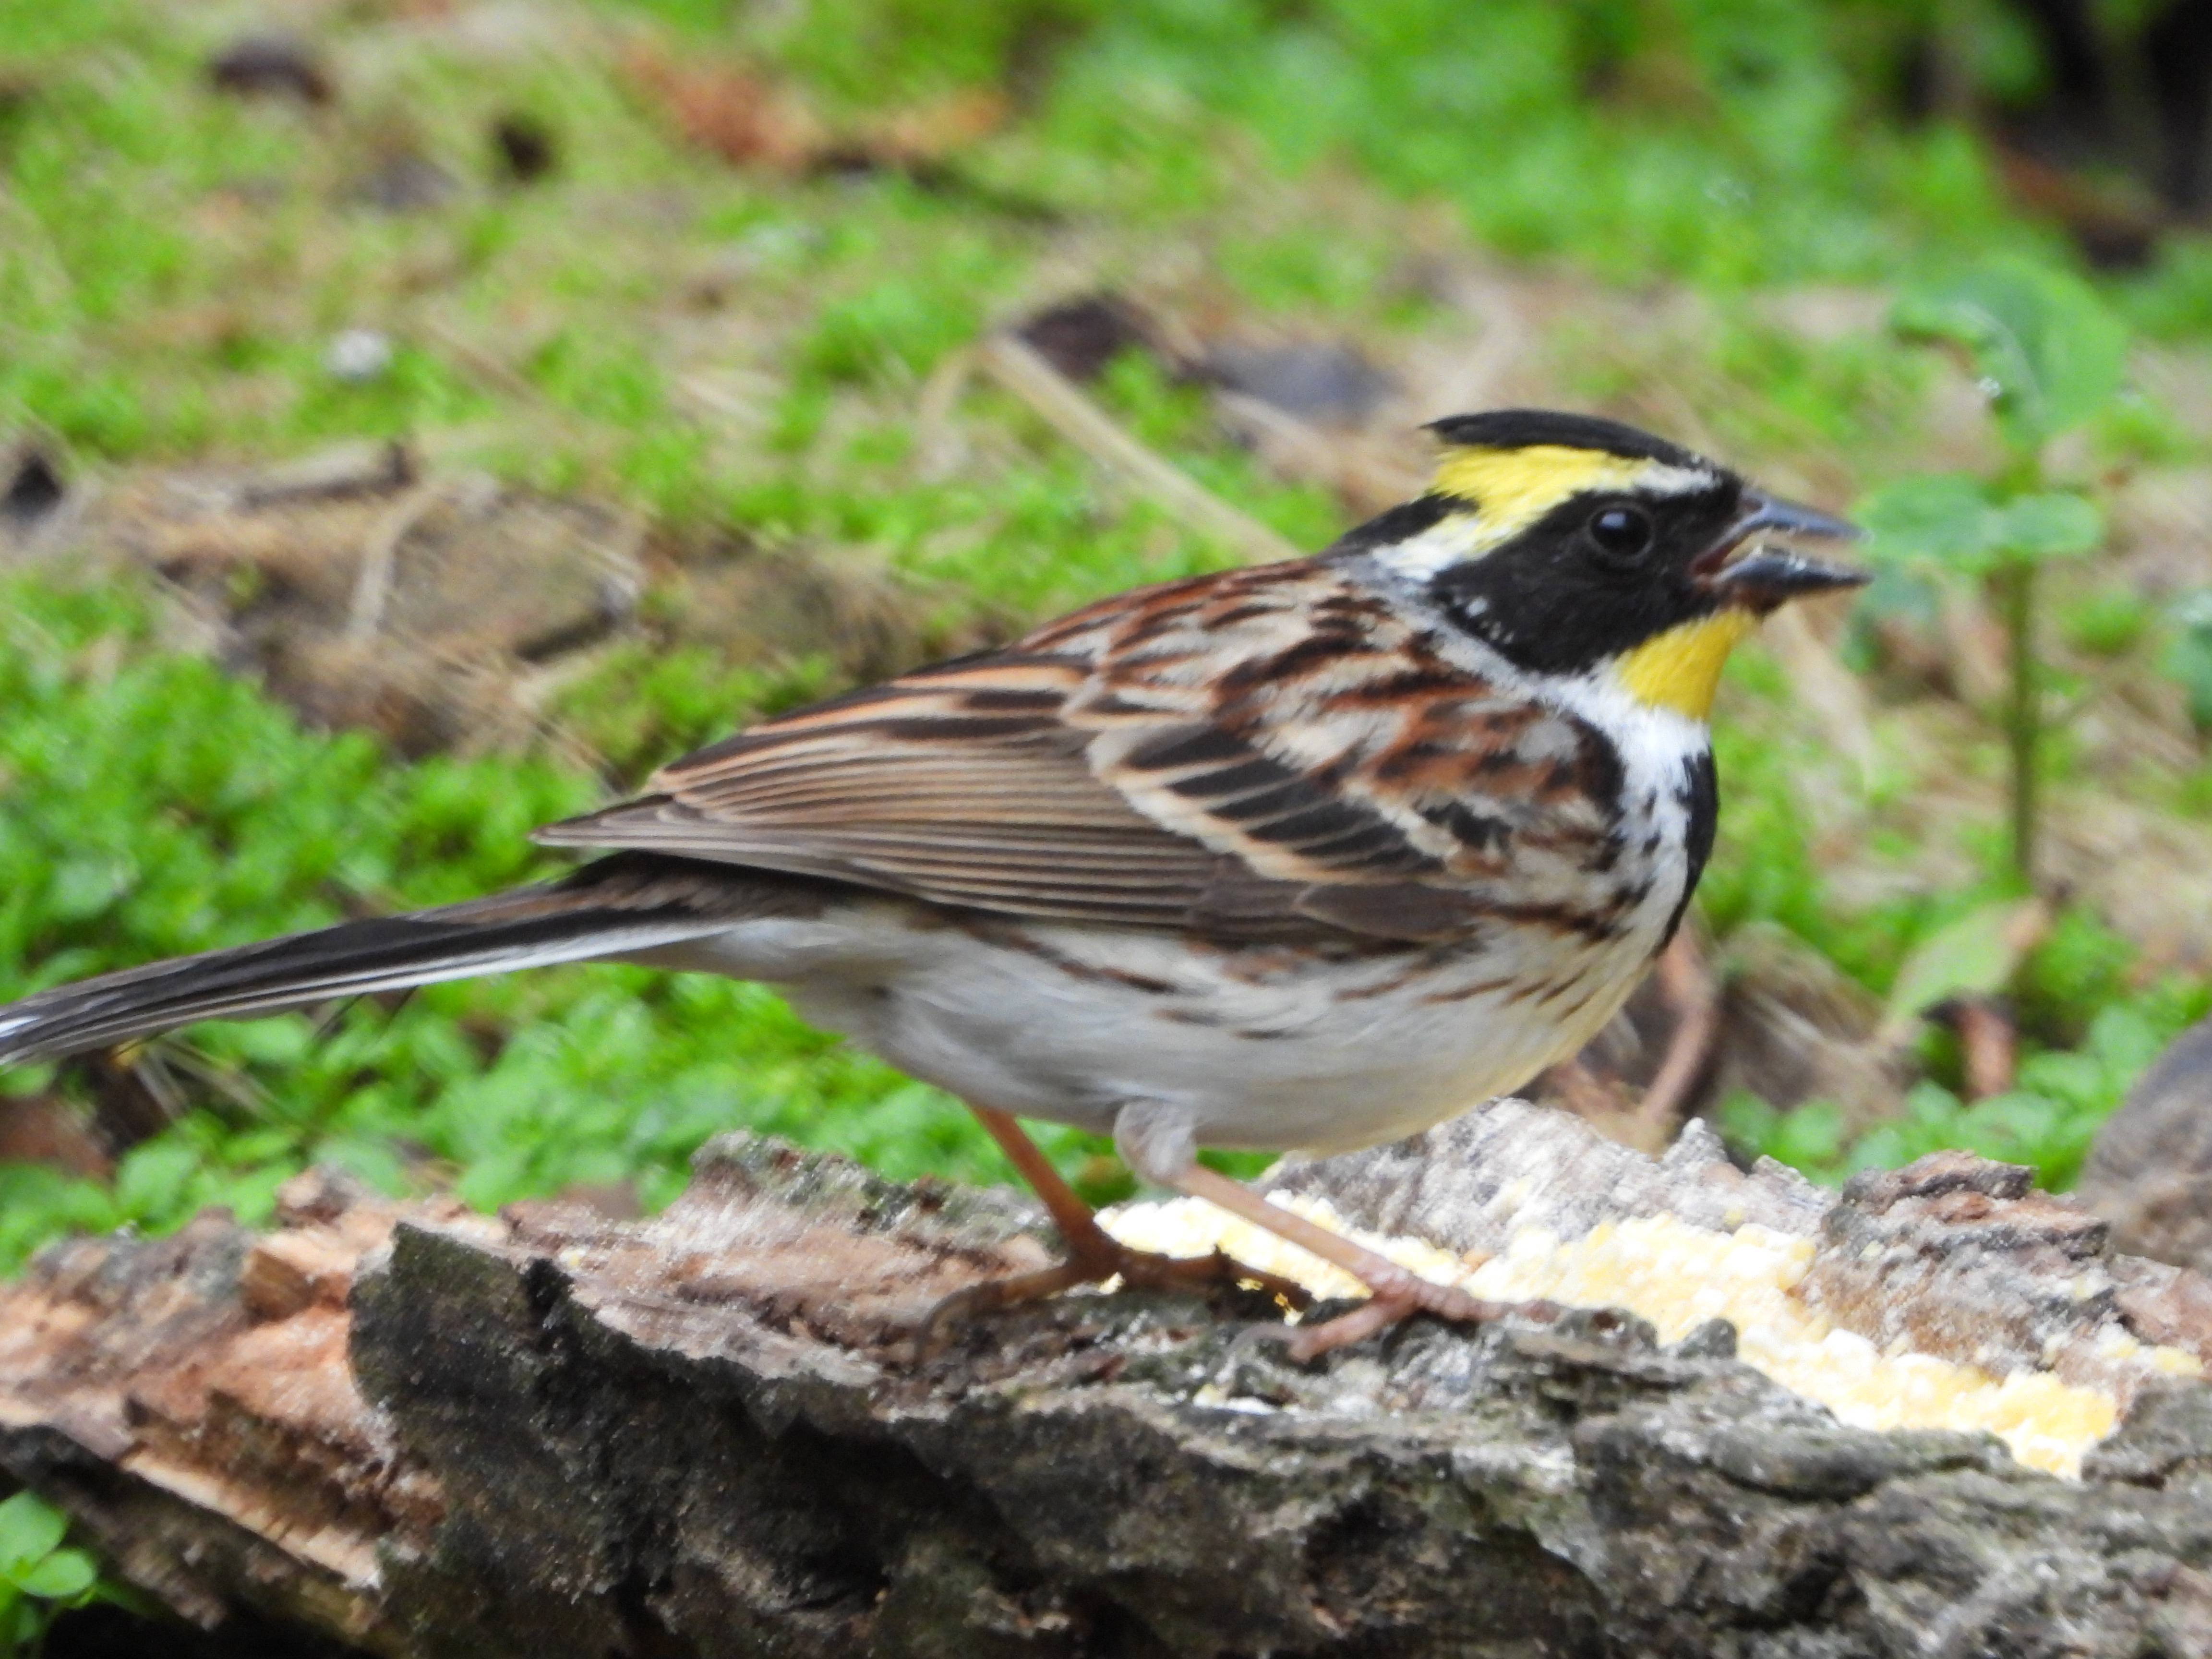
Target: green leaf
[(1810, 1137), (1975, 955), (2052, 350), (62, 1576), (2056, 525), (2188, 660), (1938, 520), (30, 1530), (152, 1181)]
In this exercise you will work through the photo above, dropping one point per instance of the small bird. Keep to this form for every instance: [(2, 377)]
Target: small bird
[(1305, 855)]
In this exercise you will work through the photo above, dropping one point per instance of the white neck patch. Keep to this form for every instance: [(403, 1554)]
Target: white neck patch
[(1463, 536)]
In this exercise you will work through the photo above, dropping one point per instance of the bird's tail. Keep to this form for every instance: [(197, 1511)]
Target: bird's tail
[(617, 906)]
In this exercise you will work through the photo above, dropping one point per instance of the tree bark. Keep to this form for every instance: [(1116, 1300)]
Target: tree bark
[(414, 1431)]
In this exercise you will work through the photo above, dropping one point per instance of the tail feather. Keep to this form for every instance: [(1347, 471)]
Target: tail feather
[(610, 909)]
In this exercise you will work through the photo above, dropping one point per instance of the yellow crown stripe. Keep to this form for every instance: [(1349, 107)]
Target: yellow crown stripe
[(1513, 488), (1680, 668)]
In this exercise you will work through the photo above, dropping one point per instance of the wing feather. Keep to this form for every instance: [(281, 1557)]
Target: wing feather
[(1207, 755)]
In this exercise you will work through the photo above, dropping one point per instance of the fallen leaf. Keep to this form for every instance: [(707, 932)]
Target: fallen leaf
[(1975, 955)]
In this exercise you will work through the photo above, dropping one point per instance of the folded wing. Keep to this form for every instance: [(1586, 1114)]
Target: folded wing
[(1107, 769)]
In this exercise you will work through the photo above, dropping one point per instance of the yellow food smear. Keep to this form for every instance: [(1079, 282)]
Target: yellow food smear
[(1678, 1277)]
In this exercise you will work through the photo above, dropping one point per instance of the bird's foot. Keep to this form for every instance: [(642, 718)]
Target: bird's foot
[(1144, 1270), (1100, 1260), (1399, 1298)]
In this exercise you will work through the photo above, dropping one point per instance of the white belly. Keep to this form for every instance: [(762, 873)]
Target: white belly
[(1263, 1047)]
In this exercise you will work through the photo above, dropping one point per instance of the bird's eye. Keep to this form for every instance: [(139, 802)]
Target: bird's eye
[(1621, 532)]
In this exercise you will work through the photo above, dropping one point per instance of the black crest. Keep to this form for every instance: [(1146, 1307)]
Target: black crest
[(1518, 428)]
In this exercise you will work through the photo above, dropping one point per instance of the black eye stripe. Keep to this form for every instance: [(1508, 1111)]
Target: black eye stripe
[(1551, 598)]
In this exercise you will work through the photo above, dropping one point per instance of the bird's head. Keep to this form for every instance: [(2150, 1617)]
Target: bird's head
[(1570, 544)]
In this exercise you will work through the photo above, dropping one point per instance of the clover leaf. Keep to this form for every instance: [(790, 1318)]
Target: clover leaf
[(2189, 658), (1947, 522), (2053, 524), (62, 1576), (1943, 521), (38, 1578), (2049, 350), (2052, 357), (30, 1529)]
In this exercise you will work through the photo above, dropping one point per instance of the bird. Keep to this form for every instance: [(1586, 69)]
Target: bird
[(1305, 855)]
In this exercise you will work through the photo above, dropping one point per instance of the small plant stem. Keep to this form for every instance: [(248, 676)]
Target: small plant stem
[(2016, 591)]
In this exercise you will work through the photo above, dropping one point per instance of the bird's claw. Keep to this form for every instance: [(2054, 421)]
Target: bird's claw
[(1397, 1302), (1095, 1264)]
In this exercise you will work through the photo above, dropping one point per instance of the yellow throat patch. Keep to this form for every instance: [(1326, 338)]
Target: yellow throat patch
[(1680, 668)]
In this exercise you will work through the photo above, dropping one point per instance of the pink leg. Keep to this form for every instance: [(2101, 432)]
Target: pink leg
[(1094, 1255), (1399, 1293)]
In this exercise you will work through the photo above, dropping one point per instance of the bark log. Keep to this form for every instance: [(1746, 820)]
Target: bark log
[(418, 1432)]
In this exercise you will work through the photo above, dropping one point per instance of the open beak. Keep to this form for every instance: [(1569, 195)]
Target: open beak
[(1765, 578)]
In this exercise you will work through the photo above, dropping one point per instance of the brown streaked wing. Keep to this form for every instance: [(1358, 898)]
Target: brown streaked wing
[(959, 784), (978, 783)]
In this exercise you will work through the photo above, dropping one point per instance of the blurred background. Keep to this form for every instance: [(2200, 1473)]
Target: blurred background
[(419, 418)]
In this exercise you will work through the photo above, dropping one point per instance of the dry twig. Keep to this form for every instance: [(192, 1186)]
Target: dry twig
[(1825, 690), (379, 555), (1023, 371), (1689, 991), (1988, 1043)]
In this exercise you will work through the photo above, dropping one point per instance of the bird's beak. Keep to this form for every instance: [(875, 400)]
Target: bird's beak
[(1763, 512), (1767, 578)]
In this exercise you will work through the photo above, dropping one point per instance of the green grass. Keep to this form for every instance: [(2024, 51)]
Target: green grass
[(2089, 1018), (156, 806), (2045, 1122), (175, 261), (743, 358)]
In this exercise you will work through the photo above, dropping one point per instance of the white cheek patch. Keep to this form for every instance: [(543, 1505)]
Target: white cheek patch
[(1461, 536)]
